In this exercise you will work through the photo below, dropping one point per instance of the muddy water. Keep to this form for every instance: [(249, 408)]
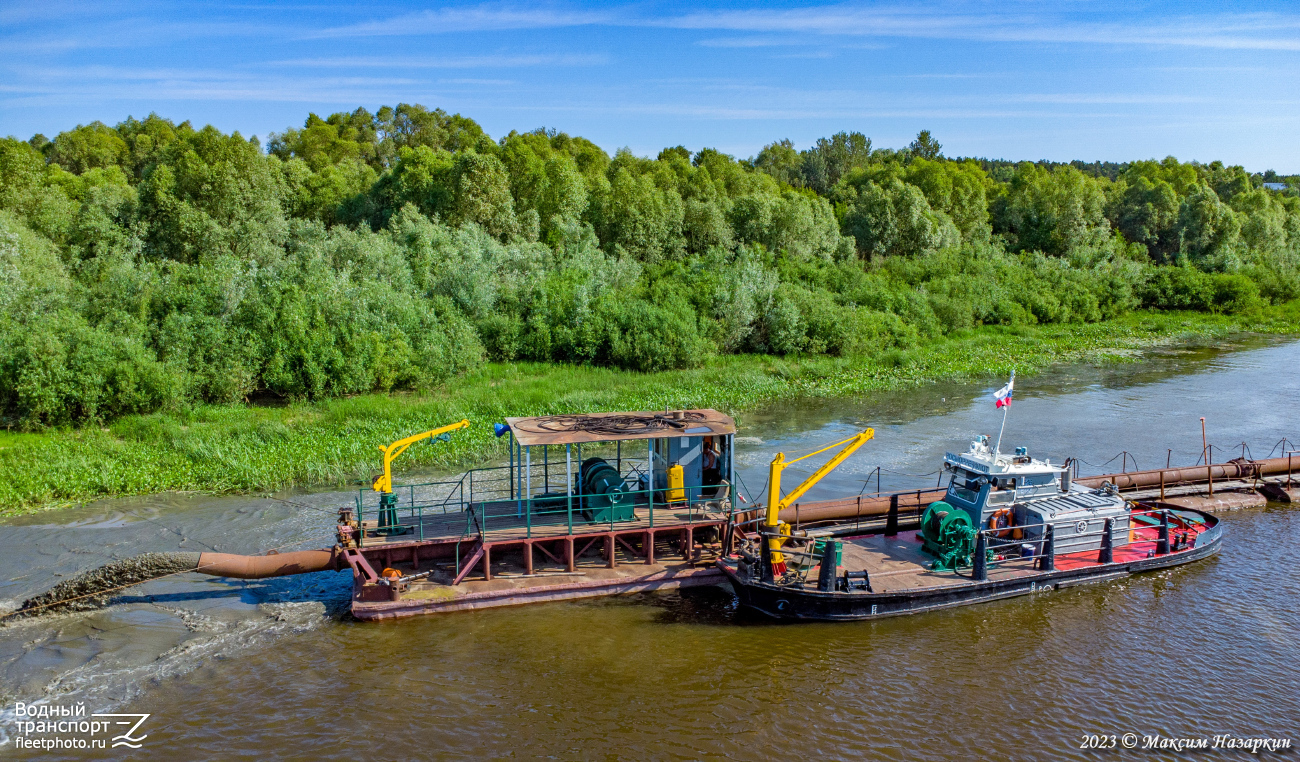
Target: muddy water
[(232, 669)]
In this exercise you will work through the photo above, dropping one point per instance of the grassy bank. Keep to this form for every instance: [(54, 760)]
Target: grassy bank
[(249, 449)]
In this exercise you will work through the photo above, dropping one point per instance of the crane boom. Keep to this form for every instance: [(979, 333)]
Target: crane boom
[(776, 503), (384, 482)]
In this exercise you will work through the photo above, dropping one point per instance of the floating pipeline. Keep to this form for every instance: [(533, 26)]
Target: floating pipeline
[(911, 504), (95, 589), (1233, 469)]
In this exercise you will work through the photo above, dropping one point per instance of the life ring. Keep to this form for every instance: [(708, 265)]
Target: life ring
[(1001, 520)]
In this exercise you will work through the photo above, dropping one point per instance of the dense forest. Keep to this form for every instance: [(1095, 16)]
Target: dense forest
[(153, 264)]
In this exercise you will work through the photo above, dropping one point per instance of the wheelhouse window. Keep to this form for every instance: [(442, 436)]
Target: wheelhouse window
[(964, 485)]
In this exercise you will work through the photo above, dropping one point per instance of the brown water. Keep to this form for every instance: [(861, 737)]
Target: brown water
[(235, 670)]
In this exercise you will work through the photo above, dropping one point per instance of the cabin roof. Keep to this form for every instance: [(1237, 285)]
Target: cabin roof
[(983, 463), (610, 427)]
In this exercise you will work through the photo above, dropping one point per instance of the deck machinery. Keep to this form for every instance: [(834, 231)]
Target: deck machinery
[(585, 505)]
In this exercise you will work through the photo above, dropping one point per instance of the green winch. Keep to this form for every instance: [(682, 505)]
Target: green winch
[(949, 536)]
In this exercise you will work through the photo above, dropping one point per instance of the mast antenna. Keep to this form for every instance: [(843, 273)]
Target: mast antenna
[(1006, 405)]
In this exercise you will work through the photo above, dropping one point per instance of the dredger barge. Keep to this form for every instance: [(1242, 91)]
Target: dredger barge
[(610, 503)]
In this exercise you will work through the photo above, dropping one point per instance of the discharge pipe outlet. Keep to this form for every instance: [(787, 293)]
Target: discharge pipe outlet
[(262, 567)]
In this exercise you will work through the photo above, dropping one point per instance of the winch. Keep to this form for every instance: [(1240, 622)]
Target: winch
[(948, 535), (602, 492)]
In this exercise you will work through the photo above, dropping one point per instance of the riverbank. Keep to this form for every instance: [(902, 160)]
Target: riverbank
[(333, 443)]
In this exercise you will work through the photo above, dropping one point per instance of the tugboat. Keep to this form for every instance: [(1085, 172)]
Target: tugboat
[(1007, 525)]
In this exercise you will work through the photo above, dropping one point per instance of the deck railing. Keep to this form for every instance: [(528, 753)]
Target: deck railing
[(489, 500), (588, 511)]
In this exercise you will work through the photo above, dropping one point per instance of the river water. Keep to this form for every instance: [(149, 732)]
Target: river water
[(254, 669)]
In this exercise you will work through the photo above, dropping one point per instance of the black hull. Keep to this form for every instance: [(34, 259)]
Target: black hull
[(804, 604)]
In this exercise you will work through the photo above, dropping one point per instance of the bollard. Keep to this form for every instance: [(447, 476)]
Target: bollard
[(1107, 554), (891, 523), (846, 582), (981, 573), (765, 559), (1162, 544), (826, 576), (1047, 561)]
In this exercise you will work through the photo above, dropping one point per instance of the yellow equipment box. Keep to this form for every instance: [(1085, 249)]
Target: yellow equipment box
[(676, 489)]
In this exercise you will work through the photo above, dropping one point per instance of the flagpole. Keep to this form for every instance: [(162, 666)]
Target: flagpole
[(997, 449)]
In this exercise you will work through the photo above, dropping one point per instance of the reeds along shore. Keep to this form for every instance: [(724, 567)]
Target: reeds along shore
[(258, 447)]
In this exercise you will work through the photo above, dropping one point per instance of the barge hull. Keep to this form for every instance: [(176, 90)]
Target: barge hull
[(520, 594)]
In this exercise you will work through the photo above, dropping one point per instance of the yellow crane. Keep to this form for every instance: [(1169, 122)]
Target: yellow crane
[(776, 503), (383, 483)]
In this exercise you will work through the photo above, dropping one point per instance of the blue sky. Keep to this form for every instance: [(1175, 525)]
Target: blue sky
[(1027, 80)]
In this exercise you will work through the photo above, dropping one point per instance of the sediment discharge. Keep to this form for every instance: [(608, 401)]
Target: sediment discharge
[(93, 589)]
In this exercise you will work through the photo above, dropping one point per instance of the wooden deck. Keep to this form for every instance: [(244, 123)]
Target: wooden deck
[(898, 563)]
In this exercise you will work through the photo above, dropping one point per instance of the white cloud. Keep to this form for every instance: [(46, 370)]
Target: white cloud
[(1260, 31), (434, 61), (749, 42), (1240, 31), (477, 19)]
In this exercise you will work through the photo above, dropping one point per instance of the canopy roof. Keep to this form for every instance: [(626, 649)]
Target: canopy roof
[(610, 427)]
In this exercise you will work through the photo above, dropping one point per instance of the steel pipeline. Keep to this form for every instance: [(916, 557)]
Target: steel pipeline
[(871, 506), (863, 506), (1235, 469), (274, 565)]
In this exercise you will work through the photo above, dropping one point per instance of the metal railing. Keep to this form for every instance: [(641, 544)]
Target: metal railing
[(489, 500), (589, 511), (416, 500)]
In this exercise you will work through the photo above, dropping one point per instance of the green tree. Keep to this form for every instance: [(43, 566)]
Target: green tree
[(87, 147), (895, 219), (639, 217), (482, 195), (1056, 212), (781, 161), (956, 189), (211, 193), (834, 157), (925, 146), (1208, 229)]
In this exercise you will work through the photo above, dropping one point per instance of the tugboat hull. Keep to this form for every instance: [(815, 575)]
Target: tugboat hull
[(804, 603)]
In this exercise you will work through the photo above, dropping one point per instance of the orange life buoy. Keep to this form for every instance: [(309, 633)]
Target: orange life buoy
[(1001, 520)]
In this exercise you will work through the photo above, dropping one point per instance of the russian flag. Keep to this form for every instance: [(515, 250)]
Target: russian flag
[(1002, 397)]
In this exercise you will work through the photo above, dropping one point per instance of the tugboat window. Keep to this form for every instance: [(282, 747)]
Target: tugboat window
[(963, 486)]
